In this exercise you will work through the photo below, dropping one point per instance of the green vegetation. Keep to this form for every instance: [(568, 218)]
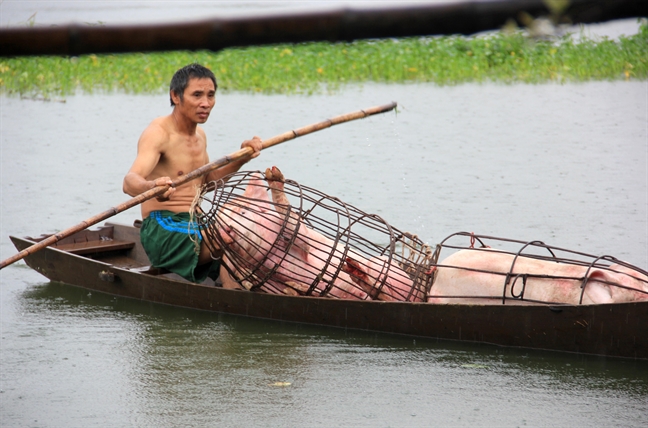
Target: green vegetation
[(313, 67)]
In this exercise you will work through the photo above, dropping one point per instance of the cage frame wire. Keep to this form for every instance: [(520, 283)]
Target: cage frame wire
[(340, 230), (510, 278), (404, 250)]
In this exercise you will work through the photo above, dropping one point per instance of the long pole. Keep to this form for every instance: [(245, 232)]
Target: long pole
[(204, 170)]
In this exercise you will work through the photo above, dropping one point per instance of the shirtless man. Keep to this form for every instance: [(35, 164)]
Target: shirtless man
[(170, 147)]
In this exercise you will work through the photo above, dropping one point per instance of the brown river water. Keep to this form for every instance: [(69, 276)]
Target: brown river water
[(565, 164)]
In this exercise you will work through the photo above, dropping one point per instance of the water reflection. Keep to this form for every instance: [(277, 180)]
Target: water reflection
[(224, 368)]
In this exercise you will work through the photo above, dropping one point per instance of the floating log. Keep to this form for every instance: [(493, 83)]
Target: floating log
[(342, 25)]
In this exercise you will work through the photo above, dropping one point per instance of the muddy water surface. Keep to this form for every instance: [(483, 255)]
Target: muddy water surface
[(567, 165)]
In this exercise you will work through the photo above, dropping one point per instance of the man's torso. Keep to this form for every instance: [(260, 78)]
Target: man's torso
[(179, 155)]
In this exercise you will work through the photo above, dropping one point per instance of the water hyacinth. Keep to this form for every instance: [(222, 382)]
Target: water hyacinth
[(316, 67)]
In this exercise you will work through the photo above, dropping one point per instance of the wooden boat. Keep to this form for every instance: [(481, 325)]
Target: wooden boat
[(111, 260)]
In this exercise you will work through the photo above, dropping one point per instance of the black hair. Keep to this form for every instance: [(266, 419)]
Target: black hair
[(181, 78)]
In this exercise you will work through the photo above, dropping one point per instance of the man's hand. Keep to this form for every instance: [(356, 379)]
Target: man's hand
[(255, 144), (164, 181)]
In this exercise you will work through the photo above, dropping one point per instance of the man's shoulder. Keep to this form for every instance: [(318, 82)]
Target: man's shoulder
[(158, 130), (160, 124)]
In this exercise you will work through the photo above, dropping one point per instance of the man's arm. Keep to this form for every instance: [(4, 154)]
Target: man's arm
[(148, 156), (255, 144)]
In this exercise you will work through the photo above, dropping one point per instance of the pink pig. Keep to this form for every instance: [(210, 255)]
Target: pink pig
[(292, 259), (477, 274), (369, 275)]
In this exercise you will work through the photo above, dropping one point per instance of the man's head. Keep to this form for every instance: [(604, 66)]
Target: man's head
[(181, 78)]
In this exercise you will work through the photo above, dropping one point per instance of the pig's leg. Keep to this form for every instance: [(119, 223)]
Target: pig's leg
[(275, 180), (227, 281)]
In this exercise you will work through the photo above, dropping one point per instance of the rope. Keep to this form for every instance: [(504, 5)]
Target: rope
[(193, 224)]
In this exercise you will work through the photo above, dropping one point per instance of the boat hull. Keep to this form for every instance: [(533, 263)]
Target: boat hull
[(614, 330)]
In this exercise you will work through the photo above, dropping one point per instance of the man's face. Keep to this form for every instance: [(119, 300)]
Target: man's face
[(198, 100)]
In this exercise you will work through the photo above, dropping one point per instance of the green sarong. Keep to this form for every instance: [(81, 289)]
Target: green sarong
[(172, 243)]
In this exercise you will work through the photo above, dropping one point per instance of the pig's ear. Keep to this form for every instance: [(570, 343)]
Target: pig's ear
[(257, 193), (632, 272), (597, 289)]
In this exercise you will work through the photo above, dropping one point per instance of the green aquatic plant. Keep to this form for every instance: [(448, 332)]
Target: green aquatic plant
[(314, 67)]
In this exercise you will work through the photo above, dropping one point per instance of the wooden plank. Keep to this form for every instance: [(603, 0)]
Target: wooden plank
[(127, 233), (93, 247), (150, 270)]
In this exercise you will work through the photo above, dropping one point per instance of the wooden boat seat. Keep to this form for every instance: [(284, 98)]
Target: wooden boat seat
[(95, 246), (150, 270)]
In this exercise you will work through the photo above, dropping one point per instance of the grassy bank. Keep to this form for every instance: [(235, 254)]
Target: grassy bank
[(313, 67)]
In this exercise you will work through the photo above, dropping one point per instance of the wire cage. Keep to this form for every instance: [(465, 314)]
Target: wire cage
[(531, 272), (305, 242), (278, 236)]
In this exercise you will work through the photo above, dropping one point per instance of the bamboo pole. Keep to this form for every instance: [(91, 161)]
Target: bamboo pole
[(466, 17), (199, 172)]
